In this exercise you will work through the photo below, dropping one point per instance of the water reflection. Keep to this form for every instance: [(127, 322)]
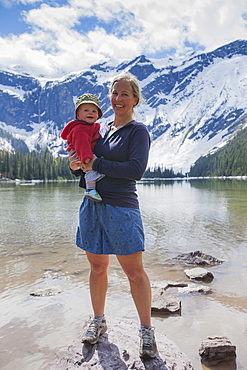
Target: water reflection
[(37, 228), (191, 215)]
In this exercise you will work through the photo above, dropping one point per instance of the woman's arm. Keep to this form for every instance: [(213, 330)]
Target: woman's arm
[(135, 166)]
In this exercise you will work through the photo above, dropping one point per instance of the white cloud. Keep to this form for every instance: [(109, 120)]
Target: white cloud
[(9, 3), (120, 30), (52, 19)]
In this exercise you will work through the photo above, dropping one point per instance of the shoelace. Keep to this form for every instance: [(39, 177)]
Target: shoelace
[(147, 337), (93, 328)]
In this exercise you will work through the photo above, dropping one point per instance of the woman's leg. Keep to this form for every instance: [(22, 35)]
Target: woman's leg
[(141, 293), (98, 281), (139, 285)]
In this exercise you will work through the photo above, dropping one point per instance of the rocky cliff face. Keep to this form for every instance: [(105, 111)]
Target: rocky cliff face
[(193, 105)]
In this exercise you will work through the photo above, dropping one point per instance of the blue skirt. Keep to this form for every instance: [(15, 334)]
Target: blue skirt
[(106, 229)]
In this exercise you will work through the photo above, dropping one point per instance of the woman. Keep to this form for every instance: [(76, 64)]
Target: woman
[(114, 226)]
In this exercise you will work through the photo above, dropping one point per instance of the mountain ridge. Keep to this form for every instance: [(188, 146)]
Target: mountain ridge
[(193, 105)]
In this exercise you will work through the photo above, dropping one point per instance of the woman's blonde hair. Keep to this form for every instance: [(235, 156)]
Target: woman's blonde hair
[(127, 76)]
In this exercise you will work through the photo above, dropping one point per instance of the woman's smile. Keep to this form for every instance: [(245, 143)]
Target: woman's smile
[(123, 101)]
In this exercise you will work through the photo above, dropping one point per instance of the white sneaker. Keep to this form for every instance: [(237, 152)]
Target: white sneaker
[(148, 347), (96, 328)]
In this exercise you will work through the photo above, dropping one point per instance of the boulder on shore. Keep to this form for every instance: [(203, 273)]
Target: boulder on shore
[(118, 349), (217, 349)]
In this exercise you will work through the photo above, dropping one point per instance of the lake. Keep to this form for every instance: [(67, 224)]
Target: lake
[(37, 227)]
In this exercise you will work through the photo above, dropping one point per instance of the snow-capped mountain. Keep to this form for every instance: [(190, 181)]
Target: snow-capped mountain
[(193, 105)]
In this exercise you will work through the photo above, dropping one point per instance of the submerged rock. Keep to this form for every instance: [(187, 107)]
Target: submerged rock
[(118, 349), (217, 349), (46, 292), (186, 288), (198, 258), (195, 288)]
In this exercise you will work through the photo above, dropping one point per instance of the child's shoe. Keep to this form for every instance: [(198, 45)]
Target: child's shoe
[(93, 195)]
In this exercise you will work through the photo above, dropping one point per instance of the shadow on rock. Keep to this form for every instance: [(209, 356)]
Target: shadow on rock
[(119, 349)]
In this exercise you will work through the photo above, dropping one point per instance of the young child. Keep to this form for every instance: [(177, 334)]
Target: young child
[(81, 135)]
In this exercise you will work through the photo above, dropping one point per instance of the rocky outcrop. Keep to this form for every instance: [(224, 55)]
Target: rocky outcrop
[(118, 349), (217, 349), (197, 258)]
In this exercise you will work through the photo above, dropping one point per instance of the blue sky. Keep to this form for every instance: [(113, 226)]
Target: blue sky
[(53, 38)]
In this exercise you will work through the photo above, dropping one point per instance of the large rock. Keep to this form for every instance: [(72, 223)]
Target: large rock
[(118, 349), (217, 349), (163, 302), (197, 258)]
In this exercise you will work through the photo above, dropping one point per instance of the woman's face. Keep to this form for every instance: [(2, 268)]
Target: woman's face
[(122, 99)]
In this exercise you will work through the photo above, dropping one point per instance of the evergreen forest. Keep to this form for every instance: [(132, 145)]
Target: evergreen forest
[(34, 166), (231, 160), (43, 166)]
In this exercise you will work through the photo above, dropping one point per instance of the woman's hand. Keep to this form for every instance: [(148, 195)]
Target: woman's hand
[(75, 163)]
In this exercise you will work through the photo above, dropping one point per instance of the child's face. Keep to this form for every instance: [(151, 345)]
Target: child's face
[(87, 112)]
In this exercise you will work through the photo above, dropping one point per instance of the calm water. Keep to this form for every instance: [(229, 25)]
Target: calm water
[(37, 232)]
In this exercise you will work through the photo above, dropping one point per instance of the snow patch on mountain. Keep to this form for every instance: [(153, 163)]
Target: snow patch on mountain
[(15, 91), (218, 89)]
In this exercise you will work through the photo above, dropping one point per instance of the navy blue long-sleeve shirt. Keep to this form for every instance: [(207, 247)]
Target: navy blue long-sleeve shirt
[(122, 158)]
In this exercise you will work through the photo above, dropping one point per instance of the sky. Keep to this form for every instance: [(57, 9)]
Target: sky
[(55, 38)]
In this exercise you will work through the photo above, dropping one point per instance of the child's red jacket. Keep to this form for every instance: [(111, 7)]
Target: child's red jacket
[(82, 137)]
